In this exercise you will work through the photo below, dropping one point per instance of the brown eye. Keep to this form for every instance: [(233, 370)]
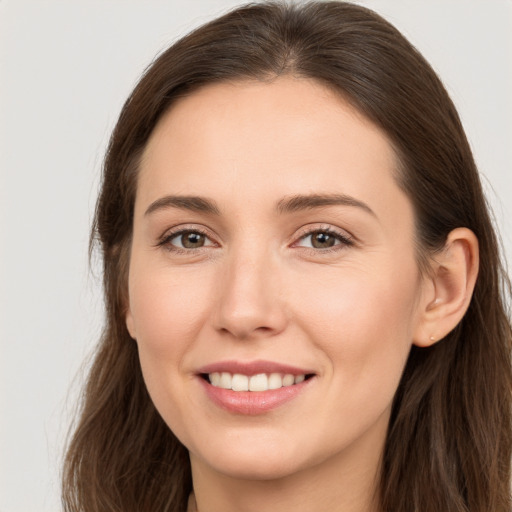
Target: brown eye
[(187, 239), (191, 240), (322, 240)]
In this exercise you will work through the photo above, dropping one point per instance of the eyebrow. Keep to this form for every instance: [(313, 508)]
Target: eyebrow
[(311, 201), (192, 203), (286, 205)]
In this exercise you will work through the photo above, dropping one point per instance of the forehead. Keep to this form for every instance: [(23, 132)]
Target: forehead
[(263, 139), (289, 108)]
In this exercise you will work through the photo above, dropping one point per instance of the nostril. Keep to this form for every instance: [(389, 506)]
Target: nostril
[(263, 329)]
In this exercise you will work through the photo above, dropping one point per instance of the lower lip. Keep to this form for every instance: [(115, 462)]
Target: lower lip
[(253, 402)]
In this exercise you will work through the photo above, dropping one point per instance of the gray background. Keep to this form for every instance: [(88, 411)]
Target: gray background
[(65, 69)]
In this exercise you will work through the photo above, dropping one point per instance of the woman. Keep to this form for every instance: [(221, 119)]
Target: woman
[(291, 223)]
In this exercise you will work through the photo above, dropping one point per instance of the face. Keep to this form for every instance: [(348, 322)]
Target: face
[(273, 287)]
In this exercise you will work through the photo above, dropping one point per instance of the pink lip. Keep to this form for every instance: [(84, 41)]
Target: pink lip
[(252, 368), (252, 402)]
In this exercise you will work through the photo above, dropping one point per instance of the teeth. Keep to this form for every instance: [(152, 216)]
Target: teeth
[(215, 379), (275, 381), (288, 380), (225, 380), (259, 382), (299, 379), (240, 382)]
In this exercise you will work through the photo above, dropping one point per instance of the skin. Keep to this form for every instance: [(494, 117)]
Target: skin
[(259, 289)]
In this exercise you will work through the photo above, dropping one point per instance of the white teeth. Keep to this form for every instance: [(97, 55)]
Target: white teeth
[(240, 382), (225, 380), (259, 382), (275, 381), (288, 380)]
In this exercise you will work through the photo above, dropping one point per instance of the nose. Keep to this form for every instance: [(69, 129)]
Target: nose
[(251, 300)]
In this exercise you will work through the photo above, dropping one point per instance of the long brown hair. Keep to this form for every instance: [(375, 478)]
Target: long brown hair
[(450, 434)]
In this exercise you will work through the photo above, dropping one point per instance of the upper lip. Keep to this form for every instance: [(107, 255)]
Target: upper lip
[(252, 368)]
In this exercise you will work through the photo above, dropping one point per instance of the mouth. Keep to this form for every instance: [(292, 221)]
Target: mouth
[(253, 388), (260, 382)]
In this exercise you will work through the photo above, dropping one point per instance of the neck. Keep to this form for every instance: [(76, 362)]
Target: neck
[(345, 482)]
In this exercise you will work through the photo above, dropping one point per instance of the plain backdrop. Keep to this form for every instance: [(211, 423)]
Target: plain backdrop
[(66, 67)]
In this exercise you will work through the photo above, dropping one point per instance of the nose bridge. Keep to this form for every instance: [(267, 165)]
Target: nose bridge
[(250, 301)]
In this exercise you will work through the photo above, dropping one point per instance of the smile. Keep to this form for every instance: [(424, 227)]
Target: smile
[(259, 382), (253, 388)]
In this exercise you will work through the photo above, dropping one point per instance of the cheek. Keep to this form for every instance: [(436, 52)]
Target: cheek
[(363, 321), (167, 308), (352, 302)]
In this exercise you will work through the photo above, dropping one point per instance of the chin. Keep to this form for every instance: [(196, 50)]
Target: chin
[(264, 460), (256, 467)]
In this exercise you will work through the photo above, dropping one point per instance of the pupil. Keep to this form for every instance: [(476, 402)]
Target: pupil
[(323, 240), (192, 240)]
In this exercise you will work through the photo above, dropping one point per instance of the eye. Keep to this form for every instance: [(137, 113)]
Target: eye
[(186, 239), (323, 239)]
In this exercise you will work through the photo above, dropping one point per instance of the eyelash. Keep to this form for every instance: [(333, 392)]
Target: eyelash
[(165, 241), (343, 240)]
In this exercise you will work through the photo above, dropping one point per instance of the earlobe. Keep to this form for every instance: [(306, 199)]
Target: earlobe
[(453, 278), (130, 325)]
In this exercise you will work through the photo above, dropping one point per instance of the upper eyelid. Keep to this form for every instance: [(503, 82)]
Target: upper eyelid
[(309, 230), (175, 231), (181, 228)]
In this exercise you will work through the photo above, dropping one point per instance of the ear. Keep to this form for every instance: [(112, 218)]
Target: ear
[(450, 286), (130, 324)]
